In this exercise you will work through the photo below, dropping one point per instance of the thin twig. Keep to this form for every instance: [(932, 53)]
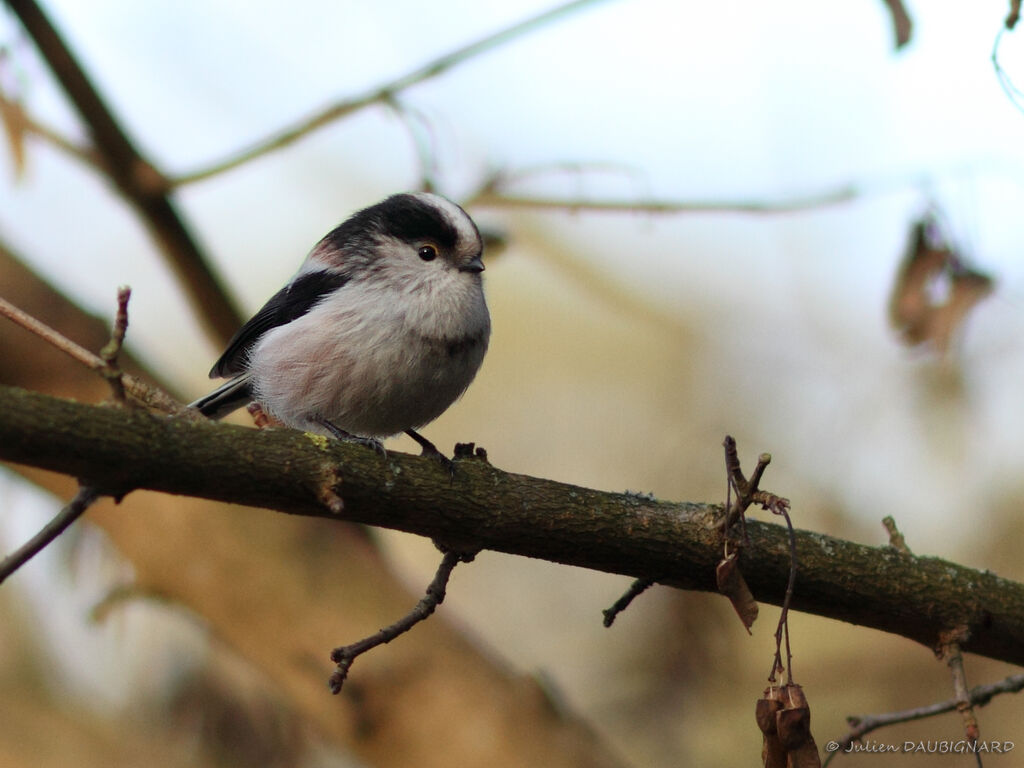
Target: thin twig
[(111, 372), (781, 507), (489, 198), (979, 696), (52, 337), (896, 540), (74, 509), (955, 661), (381, 94), (141, 392), (345, 655), (634, 591)]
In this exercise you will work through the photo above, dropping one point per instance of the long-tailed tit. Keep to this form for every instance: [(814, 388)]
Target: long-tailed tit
[(382, 328)]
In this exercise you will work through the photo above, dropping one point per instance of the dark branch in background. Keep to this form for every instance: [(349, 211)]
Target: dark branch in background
[(141, 184), (118, 450), (383, 94), (902, 26)]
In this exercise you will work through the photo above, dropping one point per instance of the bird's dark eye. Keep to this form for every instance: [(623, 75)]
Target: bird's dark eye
[(428, 252)]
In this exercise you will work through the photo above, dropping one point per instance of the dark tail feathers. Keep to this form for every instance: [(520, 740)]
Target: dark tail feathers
[(226, 398)]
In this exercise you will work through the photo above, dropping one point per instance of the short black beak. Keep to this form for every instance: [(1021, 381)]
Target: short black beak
[(474, 265)]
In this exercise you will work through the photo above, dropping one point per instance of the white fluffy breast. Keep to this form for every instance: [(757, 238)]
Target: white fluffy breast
[(376, 357)]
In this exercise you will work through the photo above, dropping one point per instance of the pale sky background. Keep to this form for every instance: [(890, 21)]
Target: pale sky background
[(693, 101)]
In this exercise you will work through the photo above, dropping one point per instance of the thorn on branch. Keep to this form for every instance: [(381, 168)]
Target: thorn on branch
[(345, 655), (75, 508)]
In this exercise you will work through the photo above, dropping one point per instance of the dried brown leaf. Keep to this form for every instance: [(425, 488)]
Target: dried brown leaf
[(731, 583), (916, 309), (773, 754)]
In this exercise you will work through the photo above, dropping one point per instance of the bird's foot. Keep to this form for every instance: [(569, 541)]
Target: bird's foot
[(348, 437)]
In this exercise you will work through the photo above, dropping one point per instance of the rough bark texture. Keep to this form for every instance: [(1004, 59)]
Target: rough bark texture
[(484, 508)]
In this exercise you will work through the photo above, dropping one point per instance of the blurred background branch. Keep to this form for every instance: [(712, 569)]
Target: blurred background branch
[(385, 94)]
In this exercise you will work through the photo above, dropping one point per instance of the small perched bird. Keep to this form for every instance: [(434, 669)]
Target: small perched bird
[(381, 329)]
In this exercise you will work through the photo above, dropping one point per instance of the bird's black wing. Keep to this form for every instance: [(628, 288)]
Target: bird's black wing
[(290, 303)]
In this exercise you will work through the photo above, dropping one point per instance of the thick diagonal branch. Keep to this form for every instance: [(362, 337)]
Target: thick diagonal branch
[(485, 508)]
